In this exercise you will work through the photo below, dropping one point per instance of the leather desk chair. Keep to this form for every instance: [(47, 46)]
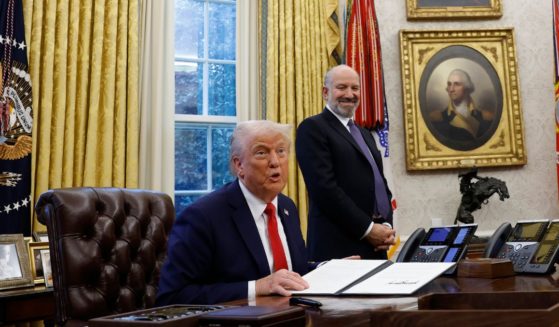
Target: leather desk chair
[(107, 246)]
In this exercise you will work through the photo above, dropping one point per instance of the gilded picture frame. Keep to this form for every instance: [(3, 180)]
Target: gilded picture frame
[(40, 236), (485, 130), (453, 9), (14, 262), (36, 262)]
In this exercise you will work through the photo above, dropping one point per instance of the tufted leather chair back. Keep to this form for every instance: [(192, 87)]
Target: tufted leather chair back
[(107, 246)]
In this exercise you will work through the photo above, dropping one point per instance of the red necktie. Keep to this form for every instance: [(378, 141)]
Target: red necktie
[(280, 262)]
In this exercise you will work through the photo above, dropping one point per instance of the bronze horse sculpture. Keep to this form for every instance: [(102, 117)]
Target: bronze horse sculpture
[(475, 192)]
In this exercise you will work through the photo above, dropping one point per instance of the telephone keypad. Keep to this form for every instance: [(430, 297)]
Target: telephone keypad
[(428, 254), (517, 253)]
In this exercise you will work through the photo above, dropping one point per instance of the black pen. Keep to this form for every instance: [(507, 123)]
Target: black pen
[(304, 301)]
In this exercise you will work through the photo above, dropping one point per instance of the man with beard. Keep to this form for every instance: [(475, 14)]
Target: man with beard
[(349, 211)]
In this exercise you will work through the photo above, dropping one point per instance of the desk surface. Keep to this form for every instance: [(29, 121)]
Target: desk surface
[(355, 311), (38, 302)]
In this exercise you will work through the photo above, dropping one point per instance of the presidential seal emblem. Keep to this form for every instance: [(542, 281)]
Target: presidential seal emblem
[(16, 120)]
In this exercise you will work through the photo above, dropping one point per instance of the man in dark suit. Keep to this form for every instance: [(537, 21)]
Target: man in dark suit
[(345, 216), (222, 247)]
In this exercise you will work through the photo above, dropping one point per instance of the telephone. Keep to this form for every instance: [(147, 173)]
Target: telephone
[(497, 240), (521, 244), (411, 244), (439, 244), (547, 253)]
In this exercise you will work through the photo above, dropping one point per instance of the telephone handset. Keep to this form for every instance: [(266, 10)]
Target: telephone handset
[(439, 244), (544, 258), (411, 244), (522, 243), (497, 240)]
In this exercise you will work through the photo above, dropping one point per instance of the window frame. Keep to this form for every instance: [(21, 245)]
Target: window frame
[(204, 120)]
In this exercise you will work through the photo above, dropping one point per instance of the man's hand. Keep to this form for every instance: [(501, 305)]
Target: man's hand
[(381, 237), (280, 282)]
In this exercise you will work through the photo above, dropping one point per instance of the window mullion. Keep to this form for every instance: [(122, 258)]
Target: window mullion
[(209, 175), (206, 93), (206, 73)]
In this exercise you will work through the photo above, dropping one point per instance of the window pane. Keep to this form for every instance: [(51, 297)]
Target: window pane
[(191, 157), (222, 90), (222, 31), (205, 84), (183, 201), (188, 88), (221, 138), (189, 28)]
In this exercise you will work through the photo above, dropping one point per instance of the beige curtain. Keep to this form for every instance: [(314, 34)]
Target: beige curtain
[(157, 95), (83, 58), (300, 44), (248, 50)]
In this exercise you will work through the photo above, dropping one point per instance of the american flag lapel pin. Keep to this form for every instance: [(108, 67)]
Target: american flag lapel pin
[(286, 212)]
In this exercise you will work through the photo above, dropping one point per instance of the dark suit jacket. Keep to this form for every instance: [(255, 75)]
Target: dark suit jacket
[(340, 184), (214, 249)]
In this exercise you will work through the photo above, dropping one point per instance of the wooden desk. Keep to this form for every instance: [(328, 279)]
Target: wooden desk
[(27, 304), (37, 303), (355, 311)]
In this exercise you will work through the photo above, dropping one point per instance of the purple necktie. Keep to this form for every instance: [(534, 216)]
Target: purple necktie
[(383, 205)]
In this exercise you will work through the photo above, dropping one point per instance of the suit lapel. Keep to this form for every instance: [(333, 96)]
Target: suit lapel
[(283, 213), (340, 129), (369, 139), (287, 221), (247, 229)]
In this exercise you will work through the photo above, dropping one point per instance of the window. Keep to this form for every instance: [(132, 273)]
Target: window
[(205, 96)]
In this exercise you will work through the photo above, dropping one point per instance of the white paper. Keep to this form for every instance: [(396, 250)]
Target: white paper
[(337, 274), (401, 278)]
